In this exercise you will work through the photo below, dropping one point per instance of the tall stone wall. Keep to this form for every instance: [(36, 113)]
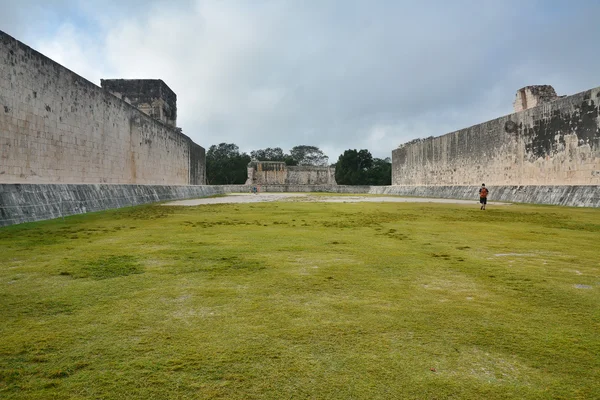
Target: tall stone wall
[(56, 127), (197, 164), (556, 143)]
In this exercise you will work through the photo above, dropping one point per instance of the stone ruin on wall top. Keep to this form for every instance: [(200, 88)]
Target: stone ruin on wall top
[(533, 96)]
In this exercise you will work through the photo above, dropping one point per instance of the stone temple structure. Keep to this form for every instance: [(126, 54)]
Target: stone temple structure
[(277, 173), (533, 96), (151, 96)]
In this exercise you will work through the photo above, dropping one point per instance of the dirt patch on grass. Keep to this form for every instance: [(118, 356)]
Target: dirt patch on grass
[(580, 286), (307, 197)]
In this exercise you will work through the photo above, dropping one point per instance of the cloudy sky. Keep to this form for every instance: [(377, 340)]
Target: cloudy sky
[(338, 74)]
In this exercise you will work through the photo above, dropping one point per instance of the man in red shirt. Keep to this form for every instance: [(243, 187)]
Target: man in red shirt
[(483, 193)]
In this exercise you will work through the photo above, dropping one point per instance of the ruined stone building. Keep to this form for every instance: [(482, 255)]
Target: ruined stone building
[(151, 96), (277, 173), (533, 96)]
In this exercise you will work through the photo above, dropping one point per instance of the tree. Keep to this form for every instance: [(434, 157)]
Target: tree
[(309, 155), (352, 167), (273, 154), (268, 154), (225, 165), (380, 172), (360, 168)]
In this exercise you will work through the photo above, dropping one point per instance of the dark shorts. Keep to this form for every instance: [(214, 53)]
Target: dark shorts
[(483, 200)]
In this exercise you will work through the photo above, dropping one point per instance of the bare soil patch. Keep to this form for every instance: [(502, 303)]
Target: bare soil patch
[(307, 197)]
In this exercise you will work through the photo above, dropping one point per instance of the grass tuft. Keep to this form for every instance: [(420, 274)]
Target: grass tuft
[(109, 267)]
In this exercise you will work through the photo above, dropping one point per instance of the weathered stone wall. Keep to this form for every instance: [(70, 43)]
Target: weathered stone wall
[(557, 143), (277, 173), (562, 195), (35, 202), (21, 203), (197, 165), (301, 175), (56, 127), (267, 173)]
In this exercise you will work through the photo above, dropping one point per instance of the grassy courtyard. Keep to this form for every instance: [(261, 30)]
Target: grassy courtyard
[(299, 300)]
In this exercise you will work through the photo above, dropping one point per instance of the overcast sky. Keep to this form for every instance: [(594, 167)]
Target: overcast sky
[(339, 74)]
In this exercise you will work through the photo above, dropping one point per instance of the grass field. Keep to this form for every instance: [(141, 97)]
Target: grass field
[(303, 301)]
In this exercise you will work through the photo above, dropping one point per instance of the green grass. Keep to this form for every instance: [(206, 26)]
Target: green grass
[(300, 300)]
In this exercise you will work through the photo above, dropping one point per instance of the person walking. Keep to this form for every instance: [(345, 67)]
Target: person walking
[(483, 194)]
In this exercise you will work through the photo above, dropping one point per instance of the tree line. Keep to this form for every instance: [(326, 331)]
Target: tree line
[(226, 165)]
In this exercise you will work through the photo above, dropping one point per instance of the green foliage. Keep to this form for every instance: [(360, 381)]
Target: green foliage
[(273, 154), (309, 155), (303, 300), (360, 168), (352, 167), (269, 154), (299, 155), (225, 165), (380, 173)]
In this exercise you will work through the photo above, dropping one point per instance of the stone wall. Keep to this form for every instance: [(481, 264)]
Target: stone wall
[(21, 203), (34, 202), (557, 143), (197, 160), (562, 195), (302, 175), (56, 127), (266, 173), (277, 173)]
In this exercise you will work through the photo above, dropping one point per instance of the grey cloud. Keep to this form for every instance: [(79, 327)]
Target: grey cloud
[(26, 19), (341, 74)]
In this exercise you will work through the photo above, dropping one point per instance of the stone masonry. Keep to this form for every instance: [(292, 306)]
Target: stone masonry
[(57, 127), (555, 143), (277, 173)]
